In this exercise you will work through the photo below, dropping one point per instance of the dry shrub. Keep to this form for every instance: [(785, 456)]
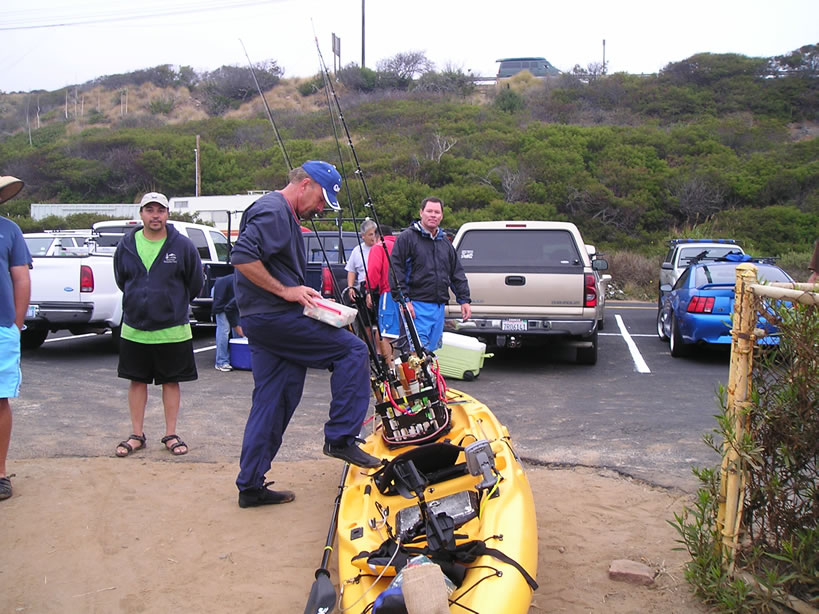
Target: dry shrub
[(633, 274)]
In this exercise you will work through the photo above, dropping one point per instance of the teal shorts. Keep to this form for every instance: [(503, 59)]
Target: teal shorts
[(10, 375)]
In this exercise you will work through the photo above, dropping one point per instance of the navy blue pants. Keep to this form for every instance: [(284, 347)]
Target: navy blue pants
[(282, 347)]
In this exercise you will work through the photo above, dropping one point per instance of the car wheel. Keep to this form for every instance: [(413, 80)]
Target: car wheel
[(32, 338), (676, 343), (661, 319), (601, 323), (588, 356)]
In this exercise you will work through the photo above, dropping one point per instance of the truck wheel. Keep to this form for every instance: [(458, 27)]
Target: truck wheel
[(676, 343), (588, 356), (32, 338)]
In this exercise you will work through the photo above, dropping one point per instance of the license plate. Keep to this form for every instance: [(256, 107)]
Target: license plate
[(514, 325), (32, 311)]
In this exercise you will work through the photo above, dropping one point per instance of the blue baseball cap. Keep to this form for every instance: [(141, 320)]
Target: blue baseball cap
[(328, 178)]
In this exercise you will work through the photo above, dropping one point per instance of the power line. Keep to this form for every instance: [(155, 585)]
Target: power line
[(128, 15)]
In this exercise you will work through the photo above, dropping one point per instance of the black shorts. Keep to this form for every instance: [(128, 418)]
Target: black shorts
[(157, 363)]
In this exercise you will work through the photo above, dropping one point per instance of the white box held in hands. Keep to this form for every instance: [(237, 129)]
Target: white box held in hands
[(329, 312)]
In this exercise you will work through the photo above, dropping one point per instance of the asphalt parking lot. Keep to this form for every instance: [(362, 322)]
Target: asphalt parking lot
[(637, 411)]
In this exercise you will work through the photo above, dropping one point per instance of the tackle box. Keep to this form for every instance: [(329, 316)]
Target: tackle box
[(461, 357), (239, 353), (330, 312)]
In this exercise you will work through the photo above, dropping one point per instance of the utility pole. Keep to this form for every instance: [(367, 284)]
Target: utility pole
[(604, 56), (197, 171), (362, 34)]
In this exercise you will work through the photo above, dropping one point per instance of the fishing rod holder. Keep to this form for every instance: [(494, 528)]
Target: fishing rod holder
[(480, 460), (413, 419)]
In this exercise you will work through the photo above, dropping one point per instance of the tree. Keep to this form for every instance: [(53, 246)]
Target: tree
[(406, 66)]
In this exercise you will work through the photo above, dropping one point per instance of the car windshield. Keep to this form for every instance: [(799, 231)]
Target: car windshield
[(691, 253), (727, 274)]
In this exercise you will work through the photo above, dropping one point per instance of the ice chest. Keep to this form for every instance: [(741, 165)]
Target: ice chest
[(239, 353), (461, 357)]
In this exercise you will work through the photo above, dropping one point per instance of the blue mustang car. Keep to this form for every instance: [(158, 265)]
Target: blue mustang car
[(698, 309)]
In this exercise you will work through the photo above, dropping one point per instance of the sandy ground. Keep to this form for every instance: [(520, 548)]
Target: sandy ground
[(154, 534)]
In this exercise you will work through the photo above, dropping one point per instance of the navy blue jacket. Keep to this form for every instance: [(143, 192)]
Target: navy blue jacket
[(224, 299), (427, 267), (269, 232), (159, 298)]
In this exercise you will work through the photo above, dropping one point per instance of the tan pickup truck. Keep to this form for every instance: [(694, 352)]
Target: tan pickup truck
[(531, 282)]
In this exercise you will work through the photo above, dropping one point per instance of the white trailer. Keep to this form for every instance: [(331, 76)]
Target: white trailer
[(117, 210), (222, 211)]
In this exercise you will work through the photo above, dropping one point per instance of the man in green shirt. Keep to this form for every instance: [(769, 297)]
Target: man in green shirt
[(159, 272)]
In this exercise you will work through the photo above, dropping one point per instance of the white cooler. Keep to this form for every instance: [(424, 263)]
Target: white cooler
[(461, 357)]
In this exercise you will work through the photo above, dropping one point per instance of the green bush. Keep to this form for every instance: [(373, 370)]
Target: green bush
[(779, 550)]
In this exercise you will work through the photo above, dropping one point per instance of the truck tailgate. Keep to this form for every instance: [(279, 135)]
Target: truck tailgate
[(55, 278), (522, 293)]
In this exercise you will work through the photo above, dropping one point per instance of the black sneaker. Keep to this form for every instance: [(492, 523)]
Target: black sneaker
[(254, 497), (352, 454), (5, 487)]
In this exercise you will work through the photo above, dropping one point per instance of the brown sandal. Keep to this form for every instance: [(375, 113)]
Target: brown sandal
[(129, 449), (172, 448)]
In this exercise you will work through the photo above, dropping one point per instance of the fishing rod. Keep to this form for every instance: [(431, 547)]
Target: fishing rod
[(280, 141), (412, 333), (267, 109), (378, 362)]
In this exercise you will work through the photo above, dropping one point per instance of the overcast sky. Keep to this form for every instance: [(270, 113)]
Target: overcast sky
[(103, 37)]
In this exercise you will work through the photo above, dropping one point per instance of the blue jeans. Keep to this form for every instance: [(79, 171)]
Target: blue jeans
[(222, 339)]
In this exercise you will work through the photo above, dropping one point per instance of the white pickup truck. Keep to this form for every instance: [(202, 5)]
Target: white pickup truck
[(74, 289)]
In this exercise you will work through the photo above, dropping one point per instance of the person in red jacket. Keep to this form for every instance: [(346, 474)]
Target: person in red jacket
[(378, 279)]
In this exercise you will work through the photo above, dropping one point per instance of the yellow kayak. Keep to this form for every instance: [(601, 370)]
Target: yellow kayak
[(462, 500)]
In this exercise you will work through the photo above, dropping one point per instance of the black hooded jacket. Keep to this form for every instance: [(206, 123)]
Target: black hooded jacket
[(427, 268), (159, 298)]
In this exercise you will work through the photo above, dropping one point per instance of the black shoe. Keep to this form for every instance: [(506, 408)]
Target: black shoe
[(254, 497), (352, 454), (5, 487)]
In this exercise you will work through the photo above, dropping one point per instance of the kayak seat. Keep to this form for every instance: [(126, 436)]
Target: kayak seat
[(435, 462)]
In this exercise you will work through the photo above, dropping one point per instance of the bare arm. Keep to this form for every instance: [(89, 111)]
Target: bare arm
[(21, 281), (257, 274), (351, 277)]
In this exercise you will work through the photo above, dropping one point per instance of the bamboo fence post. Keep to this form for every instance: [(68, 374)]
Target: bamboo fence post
[(732, 474)]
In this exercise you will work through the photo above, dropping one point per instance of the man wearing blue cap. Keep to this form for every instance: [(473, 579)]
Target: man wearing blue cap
[(270, 260)]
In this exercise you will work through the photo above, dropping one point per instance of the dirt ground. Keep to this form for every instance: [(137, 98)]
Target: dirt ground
[(149, 534)]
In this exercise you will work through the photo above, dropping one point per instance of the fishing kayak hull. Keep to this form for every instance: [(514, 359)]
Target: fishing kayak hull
[(502, 517)]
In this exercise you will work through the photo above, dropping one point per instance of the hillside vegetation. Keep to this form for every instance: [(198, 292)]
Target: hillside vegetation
[(713, 145)]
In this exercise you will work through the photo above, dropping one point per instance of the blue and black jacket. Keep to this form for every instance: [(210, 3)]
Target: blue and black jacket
[(159, 298), (427, 267)]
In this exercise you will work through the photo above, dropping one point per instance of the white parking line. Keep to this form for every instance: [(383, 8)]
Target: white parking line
[(72, 337), (205, 349), (639, 363)]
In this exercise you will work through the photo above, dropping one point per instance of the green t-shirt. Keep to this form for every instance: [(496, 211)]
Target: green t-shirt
[(148, 251)]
